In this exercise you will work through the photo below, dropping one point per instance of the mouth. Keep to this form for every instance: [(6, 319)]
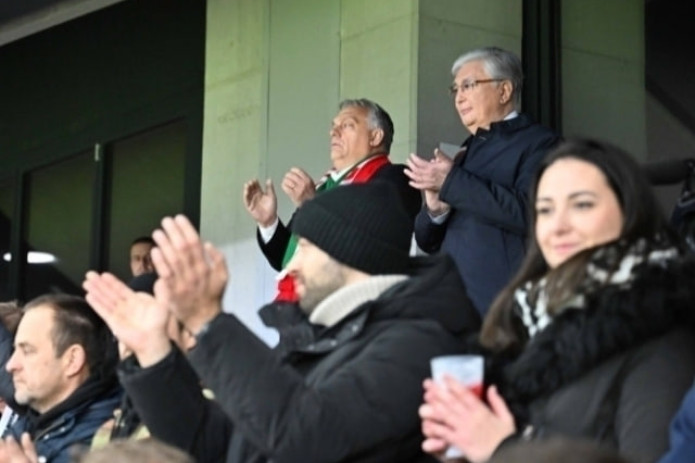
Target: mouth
[(564, 248)]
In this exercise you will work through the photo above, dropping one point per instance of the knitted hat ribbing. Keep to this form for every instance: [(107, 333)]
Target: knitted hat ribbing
[(364, 226)]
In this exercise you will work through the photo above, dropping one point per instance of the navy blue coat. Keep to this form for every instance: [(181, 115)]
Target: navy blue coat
[(72, 422), (487, 190)]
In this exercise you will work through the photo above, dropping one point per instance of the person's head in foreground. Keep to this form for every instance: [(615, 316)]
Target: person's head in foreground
[(487, 86), (347, 235), (135, 451), (586, 194), (60, 343)]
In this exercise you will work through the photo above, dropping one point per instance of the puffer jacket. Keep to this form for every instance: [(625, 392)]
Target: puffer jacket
[(71, 423), (348, 393)]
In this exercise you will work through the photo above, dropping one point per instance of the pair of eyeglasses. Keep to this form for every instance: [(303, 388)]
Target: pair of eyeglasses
[(469, 85)]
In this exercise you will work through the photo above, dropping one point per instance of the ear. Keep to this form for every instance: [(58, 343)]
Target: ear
[(376, 137), (74, 360), (505, 92)]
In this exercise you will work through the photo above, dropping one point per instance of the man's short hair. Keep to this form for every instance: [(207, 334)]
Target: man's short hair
[(377, 116), (75, 322), (10, 314), (143, 239)]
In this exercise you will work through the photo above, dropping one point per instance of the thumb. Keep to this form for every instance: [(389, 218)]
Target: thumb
[(498, 405), (269, 188), (439, 154)]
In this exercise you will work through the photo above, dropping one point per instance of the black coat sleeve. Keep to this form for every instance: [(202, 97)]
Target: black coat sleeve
[(169, 400), (410, 197), (274, 250), (370, 400)]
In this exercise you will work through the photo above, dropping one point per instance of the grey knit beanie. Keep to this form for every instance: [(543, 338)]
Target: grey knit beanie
[(364, 226)]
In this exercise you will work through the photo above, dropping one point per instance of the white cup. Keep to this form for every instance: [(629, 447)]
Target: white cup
[(467, 370)]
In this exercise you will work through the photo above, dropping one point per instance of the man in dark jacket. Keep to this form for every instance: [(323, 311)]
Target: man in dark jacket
[(346, 381), (361, 136), (63, 369), (475, 205)]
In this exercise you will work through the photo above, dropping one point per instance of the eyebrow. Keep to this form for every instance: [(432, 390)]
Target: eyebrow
[(22, 344), (571, 196)]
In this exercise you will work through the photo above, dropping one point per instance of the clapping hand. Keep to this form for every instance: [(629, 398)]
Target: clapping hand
[(453, 415)]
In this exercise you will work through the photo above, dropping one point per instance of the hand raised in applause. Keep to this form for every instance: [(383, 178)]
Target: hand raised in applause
[(138, 320), (195, 273), (428, 174), (453, 415), (261, 205), (298, 185)]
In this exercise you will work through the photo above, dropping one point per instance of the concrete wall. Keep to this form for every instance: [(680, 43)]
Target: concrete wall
[(603, 72), (447, 29), (272, 88)]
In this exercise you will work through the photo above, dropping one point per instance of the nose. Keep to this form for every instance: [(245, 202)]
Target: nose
[(12, 363), (460, 96), (334, 131), (292, 265), (560, 222)]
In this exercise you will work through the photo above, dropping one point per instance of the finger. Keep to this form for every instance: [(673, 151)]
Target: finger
[(13, 450), (417, 161), (302, 175), (433, 429), (162, 293), (160, 264), (101, 291), (249, 191), (410, 173), (434, 445), (171, 241), (460, 393), (498, 405), (29, 448), (164, 246), (269, 188), (185, 252), (439, 154), (193, 245), (218, 263)]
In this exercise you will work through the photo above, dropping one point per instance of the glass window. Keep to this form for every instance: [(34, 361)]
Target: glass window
[(57, 232), (147, 183), (7, 198)]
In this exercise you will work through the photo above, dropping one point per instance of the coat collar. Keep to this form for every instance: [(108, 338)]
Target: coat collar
[(615, 320)]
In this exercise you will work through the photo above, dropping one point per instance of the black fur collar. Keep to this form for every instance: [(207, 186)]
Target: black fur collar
[(614, 320)]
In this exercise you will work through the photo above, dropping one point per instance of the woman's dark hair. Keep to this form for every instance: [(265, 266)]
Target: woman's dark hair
[(642, 218)]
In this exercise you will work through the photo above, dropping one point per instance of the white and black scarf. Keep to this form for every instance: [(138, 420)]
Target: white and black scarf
[(614, 264)]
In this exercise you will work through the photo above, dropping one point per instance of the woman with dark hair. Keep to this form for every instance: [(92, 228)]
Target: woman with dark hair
[(594, 336)]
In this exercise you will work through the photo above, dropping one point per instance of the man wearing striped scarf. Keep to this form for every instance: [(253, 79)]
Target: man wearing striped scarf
[(361, 137)]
